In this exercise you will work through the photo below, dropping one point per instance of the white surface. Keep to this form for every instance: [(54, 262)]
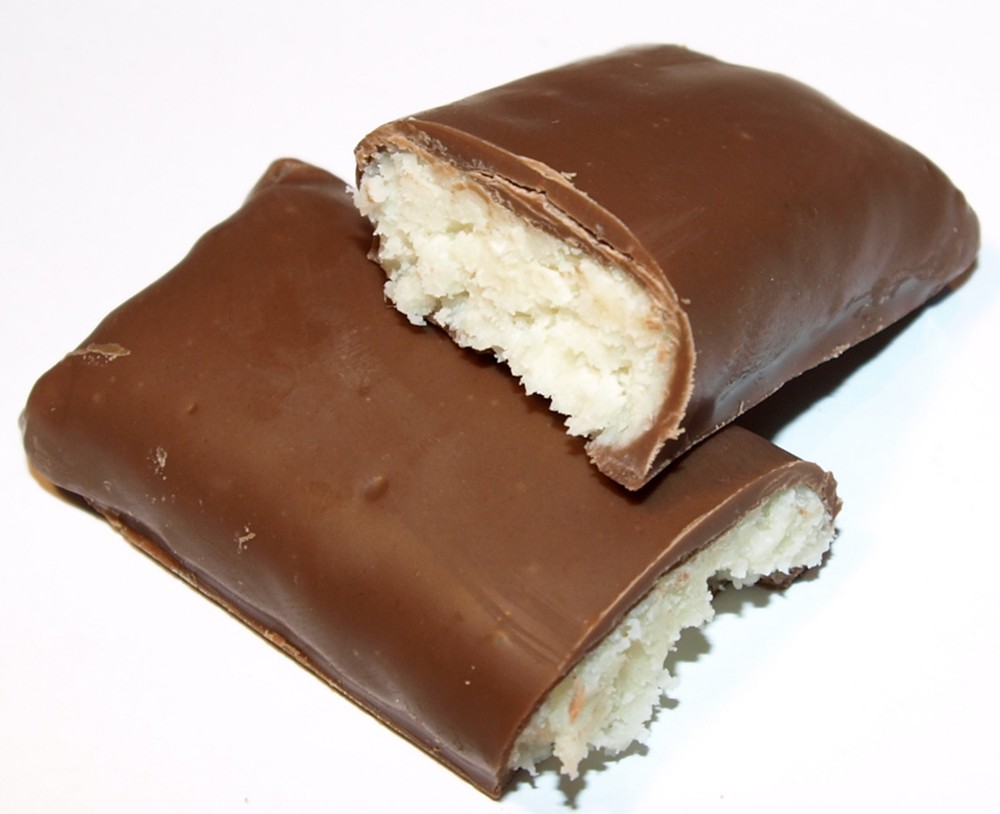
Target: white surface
[(130, 128)]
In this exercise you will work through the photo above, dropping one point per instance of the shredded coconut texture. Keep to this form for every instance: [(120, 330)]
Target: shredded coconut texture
[(607, 700), (578, 331)]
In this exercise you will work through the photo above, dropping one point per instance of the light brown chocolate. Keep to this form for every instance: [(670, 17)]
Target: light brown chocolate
[(385, 507), (771, 226)]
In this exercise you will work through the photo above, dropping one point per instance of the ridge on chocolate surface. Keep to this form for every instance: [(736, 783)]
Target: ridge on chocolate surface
[(656, 240), (387, 508)]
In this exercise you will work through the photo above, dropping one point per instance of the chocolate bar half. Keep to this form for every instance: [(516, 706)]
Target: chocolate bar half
[(388, 508), (656, 240)]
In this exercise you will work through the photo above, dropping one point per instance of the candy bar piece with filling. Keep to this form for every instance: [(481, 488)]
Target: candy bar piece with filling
[(388, 508), (656, 240)]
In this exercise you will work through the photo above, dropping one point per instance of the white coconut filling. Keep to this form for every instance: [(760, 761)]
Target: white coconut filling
[(580, 332), (606, 701)]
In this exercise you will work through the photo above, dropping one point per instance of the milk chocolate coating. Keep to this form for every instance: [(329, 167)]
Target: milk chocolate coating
[(774, 228), (384, 506)]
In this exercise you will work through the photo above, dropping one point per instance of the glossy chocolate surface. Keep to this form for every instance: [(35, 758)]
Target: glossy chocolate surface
[(772, 226), (386, 507)]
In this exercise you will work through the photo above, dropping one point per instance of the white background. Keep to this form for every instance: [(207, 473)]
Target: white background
[(128, 128)]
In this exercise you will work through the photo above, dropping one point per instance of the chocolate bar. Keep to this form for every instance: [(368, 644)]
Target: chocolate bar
[(387, 508), (656, 240)]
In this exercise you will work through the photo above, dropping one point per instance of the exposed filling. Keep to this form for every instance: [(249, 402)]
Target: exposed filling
[(606, 701), (578, 331)]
